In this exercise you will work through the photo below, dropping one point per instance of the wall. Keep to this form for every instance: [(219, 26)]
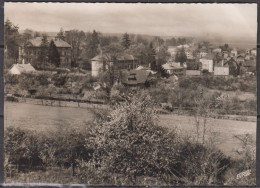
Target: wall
[(218, 71)]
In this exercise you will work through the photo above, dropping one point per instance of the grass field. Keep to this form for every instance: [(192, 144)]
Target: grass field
[(47, 118)]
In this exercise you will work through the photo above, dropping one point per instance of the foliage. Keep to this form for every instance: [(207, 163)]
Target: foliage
[(12, 39), (59, 79), (181, 56), (22, 148), (126, 42), (92, 45), (75, 38), (43, 53), (131, 142), (162, 55), (60, 34), (54, 56)]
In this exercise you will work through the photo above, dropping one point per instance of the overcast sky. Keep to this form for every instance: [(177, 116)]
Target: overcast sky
[(224, 20)]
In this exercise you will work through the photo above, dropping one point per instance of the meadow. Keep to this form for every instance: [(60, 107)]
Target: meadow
[(50, 118)]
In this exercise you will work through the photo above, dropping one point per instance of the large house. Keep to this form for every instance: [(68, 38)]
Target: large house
[(29, 53), (101, 62), (207, 62)]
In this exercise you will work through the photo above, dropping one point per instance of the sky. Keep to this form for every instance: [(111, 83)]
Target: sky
[(197, 20)]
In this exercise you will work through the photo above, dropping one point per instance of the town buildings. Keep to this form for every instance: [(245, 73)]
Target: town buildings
[(101, 63), (29, 53)]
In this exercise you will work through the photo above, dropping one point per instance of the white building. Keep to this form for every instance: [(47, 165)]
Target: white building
[(18, 69), (233, 52), (207, 62)]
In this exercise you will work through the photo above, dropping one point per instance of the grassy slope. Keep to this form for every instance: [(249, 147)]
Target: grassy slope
[(46, 118)]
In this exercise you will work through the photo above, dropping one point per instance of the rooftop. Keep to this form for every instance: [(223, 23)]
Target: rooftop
[(123, 57), (36, 42), (23, 68), (134, 77)]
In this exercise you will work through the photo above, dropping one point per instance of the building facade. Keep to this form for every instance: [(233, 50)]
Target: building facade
[(29, 53), (101, 63)]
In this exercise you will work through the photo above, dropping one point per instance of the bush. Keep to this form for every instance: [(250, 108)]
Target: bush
[(201, 165), (131, 143), (22, 148)]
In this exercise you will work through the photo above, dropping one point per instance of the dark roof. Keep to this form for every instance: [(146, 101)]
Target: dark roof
[(231, 62), (36, 42), (134, 77), (122, 57)]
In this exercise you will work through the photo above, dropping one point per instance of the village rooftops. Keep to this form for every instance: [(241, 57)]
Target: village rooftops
[(123, 57), (36, 42)]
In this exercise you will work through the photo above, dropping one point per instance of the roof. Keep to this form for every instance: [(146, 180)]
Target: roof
[(36, 42), (231, 62), (134, 77), (209, 56), (168, 66), (123, 57), (140, 67), (24, 67)]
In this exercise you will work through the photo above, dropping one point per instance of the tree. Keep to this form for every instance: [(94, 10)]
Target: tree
[(75, 38), (43, 53), (162, 55), (54, 56), (27, 35), (171, 42), (151, 57), (12, 40), (37, 34), (181, 56), (60, 35), (131, 143), (92, 45), (225, 47), (110, 55), (126, 42)]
